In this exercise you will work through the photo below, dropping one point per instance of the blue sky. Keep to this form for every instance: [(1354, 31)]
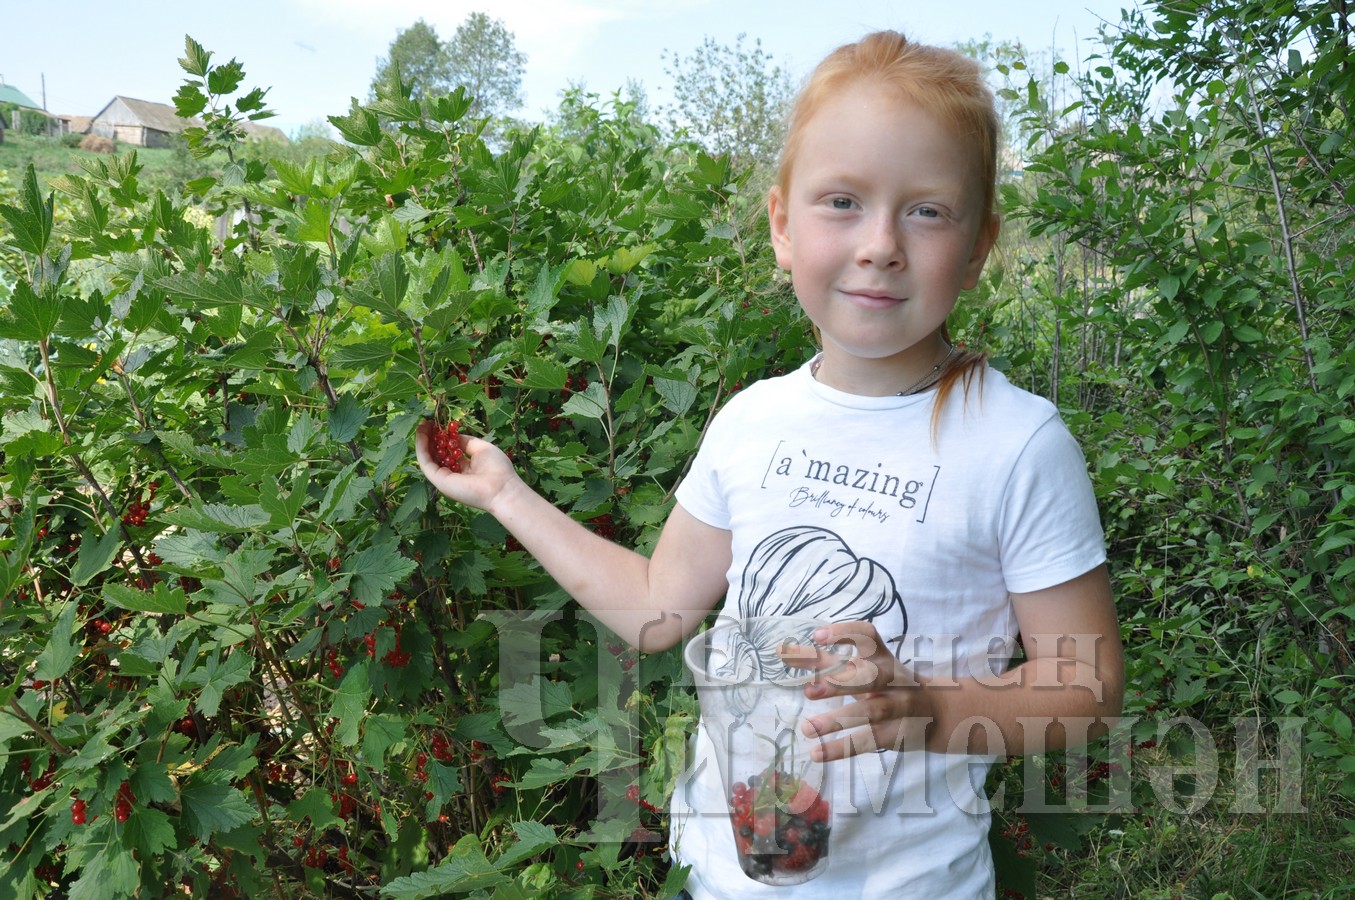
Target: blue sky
[(316, 54)]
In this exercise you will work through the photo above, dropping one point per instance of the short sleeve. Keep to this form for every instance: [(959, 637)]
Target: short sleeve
[(699, 491), (1050, 530)]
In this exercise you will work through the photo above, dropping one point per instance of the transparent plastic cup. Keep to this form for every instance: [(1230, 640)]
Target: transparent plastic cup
[(752, 706)]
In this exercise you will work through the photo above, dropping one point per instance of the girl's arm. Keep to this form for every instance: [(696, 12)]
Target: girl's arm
[(649, 602), (1069, 690)]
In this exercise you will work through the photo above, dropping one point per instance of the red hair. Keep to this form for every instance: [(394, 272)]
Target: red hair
[(946, 84)]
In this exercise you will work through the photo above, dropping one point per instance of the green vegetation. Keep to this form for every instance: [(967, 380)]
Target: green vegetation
[(245, 651)]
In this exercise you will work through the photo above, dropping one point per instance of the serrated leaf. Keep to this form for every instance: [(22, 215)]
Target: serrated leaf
[(678, 396), (315, 805), (56, 658), (379, 733), (110, 874), (241, 581), (533, 838), (360, 126), (373, 355), (590, 403), (196, 59), (217, 676), (149, 831), (350, 704), (346, 419), (533, 702), (377, 570), (95, 555), (209, 807), (161, 600), (30, 317), (466, 868), (544, 374), (30, 223), (200, 291), (218, 517)]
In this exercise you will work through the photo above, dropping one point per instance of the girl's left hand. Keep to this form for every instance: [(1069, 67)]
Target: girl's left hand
[(886, 707)]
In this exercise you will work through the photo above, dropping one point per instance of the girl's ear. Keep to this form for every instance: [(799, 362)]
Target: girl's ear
[(983, 245), (780, 226)]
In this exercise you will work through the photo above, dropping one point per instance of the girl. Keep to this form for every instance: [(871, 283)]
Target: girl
[(893, 485)]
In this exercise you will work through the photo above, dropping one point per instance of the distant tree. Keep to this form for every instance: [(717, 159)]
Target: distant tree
[(731, 100), (419, 58), (481, 55)]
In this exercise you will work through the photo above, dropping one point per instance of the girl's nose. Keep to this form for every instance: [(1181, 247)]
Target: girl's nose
[(882, 244)]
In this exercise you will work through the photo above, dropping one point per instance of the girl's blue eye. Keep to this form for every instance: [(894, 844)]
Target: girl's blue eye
[(841, 203), (928, 213)]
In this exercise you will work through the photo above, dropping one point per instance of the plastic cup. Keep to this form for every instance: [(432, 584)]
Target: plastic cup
[(752, 706)]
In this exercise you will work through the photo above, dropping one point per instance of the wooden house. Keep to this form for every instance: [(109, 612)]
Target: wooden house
[(140, 123), (143, 123)]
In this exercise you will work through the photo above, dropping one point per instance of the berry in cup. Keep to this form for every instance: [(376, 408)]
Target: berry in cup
[(781, 827)]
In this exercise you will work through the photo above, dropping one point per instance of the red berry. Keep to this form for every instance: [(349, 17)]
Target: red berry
[(446, 446), (350, 779), (77, 812)]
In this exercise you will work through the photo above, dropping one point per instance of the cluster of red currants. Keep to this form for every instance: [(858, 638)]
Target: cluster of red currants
[(122, 809), (446, 446), (138, 508)]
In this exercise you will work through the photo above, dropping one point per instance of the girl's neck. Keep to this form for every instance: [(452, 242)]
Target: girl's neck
[(884, 377)]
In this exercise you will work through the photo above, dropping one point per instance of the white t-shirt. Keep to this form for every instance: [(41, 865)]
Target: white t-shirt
[(844, 508)]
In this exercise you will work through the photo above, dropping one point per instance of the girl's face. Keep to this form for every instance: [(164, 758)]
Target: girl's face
[(880, 226)]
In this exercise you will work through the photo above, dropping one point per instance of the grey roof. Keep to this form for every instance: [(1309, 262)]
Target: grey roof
[(163, 117), (160, 116)]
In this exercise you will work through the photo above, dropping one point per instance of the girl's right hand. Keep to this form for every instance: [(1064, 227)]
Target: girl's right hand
[(486, 470)]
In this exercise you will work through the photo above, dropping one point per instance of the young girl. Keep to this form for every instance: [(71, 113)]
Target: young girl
[(893, 485)]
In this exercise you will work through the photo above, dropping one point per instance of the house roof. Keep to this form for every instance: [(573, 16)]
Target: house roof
[(163, 117), (262, 132), (10, 94), (76, 124), (160, 116)]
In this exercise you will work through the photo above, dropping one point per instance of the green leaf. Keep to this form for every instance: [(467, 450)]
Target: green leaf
[(350, 704), (535, 701), (590, 403), (360, 126), (161, 600), (29, 317), (149, 831), (346, 419), (466, 868), (95, 555), (217, 517), (112, 873), (379, 733), (374, 356), (544, 374), (242, 581), (30, 223), (533, 838), (678, 396), (217, 677), (196, 59), (315, 805), (377, 570), (209, 807), (56, 658)]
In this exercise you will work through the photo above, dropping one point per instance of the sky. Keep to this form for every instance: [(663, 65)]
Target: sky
[(314, 55)]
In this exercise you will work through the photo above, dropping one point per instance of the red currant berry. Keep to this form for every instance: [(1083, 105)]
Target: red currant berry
[(446, 446)]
